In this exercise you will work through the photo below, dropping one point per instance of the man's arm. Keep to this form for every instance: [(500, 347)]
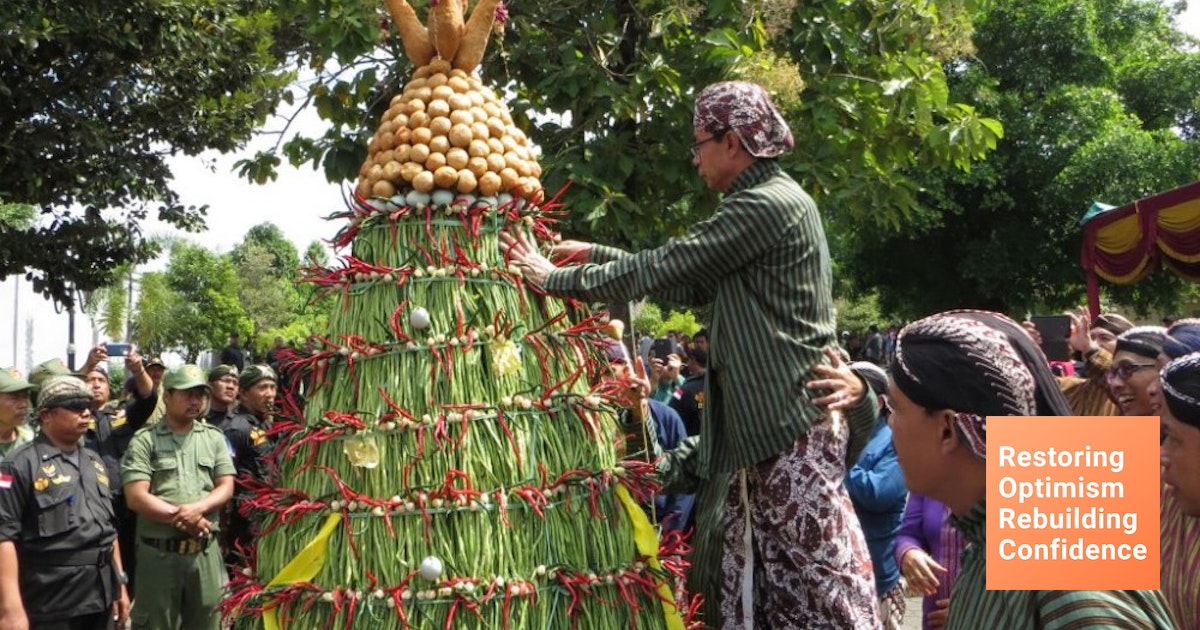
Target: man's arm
[(747, 225), (12, 609), (146, 505)]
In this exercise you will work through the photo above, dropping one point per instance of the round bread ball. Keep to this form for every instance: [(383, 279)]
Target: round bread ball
[(460, 102), (413, 106), (419, 120), (461, 135), (383, 188), (457, 158), (459, 84), (478, 148), (446, 177), (477, 165), (489, 184), (435, 161), (460, 117), (423, 182), (419, 153), (443, 92), (438, 107), (495, 162), (391, 171), (400, 154), (436, 79), (466, 181), (508, 179), (439, 144), (440, 126), (421, 135), (410, 170)]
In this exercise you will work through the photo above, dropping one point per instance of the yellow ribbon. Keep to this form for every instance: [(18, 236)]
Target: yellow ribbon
[(303, 568), (646, 540)]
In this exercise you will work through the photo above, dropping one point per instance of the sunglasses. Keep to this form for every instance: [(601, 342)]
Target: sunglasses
[(1125, 370), (78, 406)]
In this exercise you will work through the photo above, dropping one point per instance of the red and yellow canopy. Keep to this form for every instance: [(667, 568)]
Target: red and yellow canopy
[(1122, 245)]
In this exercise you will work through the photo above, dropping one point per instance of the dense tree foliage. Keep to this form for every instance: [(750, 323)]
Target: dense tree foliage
[(94, 96), (192, 306), (1098, 99)]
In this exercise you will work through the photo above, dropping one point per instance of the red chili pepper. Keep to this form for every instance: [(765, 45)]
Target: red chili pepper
[(509, 434)]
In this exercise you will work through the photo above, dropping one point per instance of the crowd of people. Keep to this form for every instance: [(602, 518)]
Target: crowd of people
[(818, 480), (106, 501)]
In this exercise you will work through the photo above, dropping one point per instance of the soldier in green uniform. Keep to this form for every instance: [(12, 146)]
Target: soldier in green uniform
[(14, 409), (178, 474), (248, 432), (60, 562)]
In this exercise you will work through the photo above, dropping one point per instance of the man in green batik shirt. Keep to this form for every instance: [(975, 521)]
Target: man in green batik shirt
[(177, 475), (764, 549)]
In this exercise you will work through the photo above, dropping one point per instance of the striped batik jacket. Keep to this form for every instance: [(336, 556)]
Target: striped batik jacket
[(973, 607), (1180, 552), (762, 262)]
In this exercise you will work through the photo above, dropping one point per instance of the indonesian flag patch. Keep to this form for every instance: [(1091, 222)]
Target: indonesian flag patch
[(6, 481)]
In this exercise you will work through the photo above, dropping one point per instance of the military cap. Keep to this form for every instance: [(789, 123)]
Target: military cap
[(221, 371), (255, 373), (11, 381), (155, 361), (63, 391), (48, 369), (185, 377)]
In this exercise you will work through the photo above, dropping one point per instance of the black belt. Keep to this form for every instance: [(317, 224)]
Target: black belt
[(81, 558), (183, 546)]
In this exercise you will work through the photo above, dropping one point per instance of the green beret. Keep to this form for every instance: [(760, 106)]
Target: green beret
[(11, 381), (185, 377), (48, 369)]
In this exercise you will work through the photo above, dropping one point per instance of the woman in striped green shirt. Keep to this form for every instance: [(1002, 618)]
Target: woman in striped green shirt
[(951, 371)]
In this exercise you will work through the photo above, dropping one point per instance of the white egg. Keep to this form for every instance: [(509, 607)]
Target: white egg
[(419, 318), (431, 568)]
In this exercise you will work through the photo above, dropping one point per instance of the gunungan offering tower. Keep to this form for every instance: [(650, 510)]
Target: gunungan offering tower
[(458, 462)]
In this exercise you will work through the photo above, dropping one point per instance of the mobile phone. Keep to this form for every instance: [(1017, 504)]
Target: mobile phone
[(115, 350), (1056, 332), (661, 347)]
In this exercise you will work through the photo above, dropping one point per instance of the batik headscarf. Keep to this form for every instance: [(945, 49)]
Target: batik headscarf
[(1183, 337), (747, 111), (1146, 341), (1181, 388), (977, 364)]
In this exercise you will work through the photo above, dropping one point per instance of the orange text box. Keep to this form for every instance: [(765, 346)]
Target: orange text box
[(1072, 503)]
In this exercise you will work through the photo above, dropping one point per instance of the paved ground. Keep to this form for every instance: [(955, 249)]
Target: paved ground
[(912, 614)]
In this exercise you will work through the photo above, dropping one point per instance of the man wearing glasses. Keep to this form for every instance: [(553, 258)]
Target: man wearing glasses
[(777, 543), (60, 563)]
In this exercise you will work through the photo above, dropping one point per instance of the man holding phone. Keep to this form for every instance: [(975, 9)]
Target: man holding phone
[(666, 367), (112, 428)]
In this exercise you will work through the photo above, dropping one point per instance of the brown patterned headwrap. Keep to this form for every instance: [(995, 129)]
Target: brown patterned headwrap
[(747, 111), (977, 364)]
